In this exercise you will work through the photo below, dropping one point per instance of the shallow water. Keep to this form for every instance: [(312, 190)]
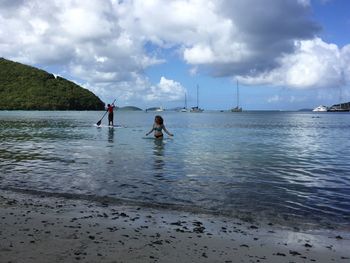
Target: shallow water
[(274, 165)]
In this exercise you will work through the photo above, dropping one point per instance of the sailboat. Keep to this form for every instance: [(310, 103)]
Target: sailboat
[(196, 109), (184, 109), (237, 108)]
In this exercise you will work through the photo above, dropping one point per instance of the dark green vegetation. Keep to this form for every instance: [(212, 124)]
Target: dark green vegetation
[(24, 87)]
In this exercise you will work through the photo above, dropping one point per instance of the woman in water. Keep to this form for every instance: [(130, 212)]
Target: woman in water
[(158, 126)]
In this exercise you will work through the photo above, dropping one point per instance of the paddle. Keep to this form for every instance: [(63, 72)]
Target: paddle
[(99, 122)]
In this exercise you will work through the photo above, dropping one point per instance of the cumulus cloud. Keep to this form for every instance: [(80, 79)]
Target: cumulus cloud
[(248, 36), (345, 62), (81, 39), (104, 44), (313, 64), (271, 42), (166, 89)]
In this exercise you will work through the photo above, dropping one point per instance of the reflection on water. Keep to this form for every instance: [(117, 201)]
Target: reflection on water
[(158, 154), (276, 165), (110, 134)]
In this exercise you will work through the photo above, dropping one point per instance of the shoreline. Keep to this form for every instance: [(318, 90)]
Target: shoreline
[(55, 229), (298, 223)]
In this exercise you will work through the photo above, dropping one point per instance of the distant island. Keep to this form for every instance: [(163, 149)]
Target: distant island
[(23, 87), (305, 109), (129, 108)]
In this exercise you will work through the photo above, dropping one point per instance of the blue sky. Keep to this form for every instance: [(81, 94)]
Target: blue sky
[(334, 18), (286, 54)]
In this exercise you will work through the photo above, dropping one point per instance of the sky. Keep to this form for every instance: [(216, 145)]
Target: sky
[(284, 54)]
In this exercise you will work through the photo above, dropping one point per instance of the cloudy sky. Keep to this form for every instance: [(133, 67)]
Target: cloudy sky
[(285, 54)]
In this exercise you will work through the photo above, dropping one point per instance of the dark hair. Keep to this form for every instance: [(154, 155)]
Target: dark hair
[(108, 105), (158, 119)]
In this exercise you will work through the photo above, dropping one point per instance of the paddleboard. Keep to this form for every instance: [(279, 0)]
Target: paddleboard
[(109, 126)]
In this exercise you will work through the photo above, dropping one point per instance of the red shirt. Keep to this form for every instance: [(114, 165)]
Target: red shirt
[(110, 109)]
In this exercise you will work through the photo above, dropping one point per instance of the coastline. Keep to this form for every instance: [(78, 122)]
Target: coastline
[(52, 229)]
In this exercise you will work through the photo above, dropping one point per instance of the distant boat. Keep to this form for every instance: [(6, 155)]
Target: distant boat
[(237, 108), (321, 108), (184, 109), (196, 109), (342, 107), (154, 109), (160, 109)]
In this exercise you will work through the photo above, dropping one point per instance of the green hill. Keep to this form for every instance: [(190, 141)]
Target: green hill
[(24, 87), (129, 108)]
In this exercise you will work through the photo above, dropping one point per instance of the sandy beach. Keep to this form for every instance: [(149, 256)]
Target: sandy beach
[(54, 229)]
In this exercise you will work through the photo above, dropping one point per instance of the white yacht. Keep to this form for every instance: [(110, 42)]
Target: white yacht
[(321, 108), (184, 109)]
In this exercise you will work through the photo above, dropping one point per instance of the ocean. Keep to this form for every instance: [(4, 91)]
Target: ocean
[(291, 168)]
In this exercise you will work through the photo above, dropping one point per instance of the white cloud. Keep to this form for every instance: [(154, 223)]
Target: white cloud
[(313, 64), (81, 38), (87, 21), (273, 99), (304, 2), (103, 44), (166, 89), (193, 71), (345, 62)]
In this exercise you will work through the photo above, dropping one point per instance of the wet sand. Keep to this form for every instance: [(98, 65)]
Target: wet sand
[(52, 229)]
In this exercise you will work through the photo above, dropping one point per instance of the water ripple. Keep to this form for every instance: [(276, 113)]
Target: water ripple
[(276, 165)]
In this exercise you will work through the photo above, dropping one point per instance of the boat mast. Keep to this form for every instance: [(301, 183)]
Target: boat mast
[(197, 96), (340, 97), (237, 95)]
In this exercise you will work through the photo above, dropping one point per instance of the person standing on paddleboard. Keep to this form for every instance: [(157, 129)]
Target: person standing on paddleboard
[(110, 109), (158, 126)]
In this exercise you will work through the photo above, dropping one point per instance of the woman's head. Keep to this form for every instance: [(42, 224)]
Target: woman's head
[(158, 119), (108, 105)]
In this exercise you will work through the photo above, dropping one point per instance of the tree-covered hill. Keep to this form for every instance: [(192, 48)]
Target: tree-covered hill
[(129, 108), (24, 87)]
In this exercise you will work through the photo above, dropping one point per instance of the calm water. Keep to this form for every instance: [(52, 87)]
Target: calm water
[(272, 165)]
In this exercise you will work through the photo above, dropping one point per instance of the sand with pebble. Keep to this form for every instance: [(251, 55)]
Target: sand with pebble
[(56, 229)]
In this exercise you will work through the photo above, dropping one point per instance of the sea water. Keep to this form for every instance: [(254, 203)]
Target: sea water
[(291, 167)]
